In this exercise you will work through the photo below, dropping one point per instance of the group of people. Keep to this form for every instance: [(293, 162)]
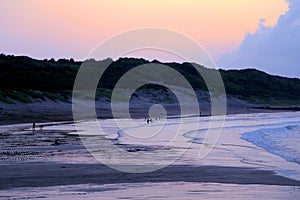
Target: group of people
[(149, 120)]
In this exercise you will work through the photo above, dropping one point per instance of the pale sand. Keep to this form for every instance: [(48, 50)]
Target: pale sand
[(156, 191)]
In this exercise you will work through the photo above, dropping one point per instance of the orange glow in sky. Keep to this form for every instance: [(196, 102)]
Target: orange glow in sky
[(71, 28)]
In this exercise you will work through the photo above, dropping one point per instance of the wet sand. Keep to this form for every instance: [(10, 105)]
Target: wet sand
[(54, 174)]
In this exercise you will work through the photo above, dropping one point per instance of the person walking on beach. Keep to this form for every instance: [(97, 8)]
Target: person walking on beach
[(33, 126)]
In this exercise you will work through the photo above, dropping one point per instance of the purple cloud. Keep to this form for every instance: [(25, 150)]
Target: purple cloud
[(275, 50)]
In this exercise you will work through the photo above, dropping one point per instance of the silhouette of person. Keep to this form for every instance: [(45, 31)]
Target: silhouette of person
[(33, 126), (57, 142)]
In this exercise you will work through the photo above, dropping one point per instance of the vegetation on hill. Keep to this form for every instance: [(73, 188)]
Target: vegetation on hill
[(23, 79)]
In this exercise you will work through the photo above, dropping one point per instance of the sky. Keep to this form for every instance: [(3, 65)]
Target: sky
[(230, 30), (274, 49)]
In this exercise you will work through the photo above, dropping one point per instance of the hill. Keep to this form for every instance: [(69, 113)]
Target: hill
[(25, 79)]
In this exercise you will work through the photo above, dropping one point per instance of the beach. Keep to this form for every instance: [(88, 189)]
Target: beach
[(55, 111), (33, 166), (150, 100)]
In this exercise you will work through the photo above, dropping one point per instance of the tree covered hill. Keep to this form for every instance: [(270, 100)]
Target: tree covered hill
[(24, 79)]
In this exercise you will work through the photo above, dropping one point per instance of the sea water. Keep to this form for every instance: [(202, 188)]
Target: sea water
[(276, 133), (282, 141)]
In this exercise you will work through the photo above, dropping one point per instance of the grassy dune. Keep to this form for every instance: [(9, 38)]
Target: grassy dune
[(24, 79)]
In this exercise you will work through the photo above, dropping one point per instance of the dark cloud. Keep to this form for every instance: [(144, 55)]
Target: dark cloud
[(272, 49)]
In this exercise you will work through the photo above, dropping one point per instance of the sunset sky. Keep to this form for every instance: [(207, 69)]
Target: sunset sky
[(72, 28)]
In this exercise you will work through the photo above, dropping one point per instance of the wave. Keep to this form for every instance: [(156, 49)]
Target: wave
[(282, 141)]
